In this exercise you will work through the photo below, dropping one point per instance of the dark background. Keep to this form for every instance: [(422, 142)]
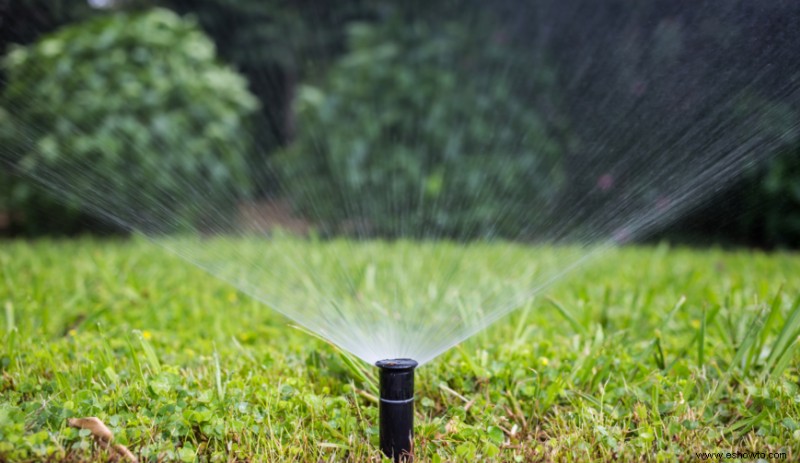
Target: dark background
[(261, 39)]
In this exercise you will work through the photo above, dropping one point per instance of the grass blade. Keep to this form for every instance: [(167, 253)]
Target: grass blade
[(577, 327), (701, 340), (149, 354), (218, 378), (772, 318), (790, 330), (747, 343), (784, 360), (9, 317)]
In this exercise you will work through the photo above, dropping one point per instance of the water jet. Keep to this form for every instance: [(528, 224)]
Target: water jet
[(443, 192), (397, 408)]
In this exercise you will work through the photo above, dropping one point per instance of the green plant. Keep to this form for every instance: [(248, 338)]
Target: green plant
[(780, 193), (773, 187), (651, 353), (129, 115), (762, 207), (413, 116)]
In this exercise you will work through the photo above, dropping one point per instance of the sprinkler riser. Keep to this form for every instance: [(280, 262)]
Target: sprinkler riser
[(397, 408)]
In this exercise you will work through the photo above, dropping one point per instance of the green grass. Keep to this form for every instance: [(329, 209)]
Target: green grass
[(649, 353)]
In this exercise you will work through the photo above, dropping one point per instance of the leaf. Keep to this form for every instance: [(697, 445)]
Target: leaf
[(92, 424), (577, 327), (102, 435), (496, 434), (150, 355)]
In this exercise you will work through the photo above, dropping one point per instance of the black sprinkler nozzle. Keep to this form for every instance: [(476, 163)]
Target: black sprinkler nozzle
[(397, 408)]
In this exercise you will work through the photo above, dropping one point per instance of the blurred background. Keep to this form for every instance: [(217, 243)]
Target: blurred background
[(258, 93)]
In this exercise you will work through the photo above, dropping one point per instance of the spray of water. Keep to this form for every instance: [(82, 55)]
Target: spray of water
[(475, 160)]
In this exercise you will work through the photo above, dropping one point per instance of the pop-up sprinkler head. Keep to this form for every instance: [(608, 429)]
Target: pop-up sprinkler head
[(397, 408)]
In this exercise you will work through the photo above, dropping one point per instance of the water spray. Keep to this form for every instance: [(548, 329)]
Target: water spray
[(397, 408)]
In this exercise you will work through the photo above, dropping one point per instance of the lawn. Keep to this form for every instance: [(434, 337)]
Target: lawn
[(647, 353)]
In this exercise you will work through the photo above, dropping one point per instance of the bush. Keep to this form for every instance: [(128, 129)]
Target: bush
[(772, 192), (762, 206), (781, 186), (414, 131), (129, 116)]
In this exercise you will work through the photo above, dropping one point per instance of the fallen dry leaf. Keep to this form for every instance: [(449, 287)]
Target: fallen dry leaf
[(103, 436)]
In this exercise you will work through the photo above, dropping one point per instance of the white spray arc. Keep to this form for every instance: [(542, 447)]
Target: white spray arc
[(514, 145)]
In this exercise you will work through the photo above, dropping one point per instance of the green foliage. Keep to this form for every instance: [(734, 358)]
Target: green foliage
[(137, 99), (413, 116), (180, 366), (274, 43), (780, 196), (763, 207), (774, 189)]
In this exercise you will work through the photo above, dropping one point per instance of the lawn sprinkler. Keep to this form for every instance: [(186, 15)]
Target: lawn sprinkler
[(397, 408)]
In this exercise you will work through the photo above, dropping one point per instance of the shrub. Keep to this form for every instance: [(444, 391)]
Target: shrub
[(415, 131), (127, 115), (774, 203), (781, 186), (762, 206)]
